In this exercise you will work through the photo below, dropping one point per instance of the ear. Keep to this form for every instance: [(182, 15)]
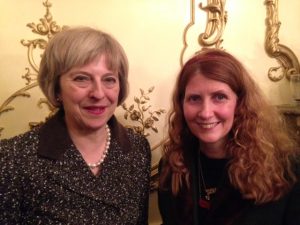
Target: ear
[(58, 99), (237, 106)]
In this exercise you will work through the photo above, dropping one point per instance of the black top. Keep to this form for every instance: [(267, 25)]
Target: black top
[(227, 205), (210, 176)]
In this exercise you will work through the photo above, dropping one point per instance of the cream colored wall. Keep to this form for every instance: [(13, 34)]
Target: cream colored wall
[(151, 33)]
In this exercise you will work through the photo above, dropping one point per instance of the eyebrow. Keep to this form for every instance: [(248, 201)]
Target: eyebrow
[(88, 73)]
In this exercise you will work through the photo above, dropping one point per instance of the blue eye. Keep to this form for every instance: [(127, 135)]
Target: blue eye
[(220, 97), (193, 98)]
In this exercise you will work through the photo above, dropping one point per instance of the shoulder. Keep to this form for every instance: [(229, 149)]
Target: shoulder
[(20, 142), (138, 142), (136, 137), (292, 212), (295, 192), (126, 136), (17, 151), (132, 144)]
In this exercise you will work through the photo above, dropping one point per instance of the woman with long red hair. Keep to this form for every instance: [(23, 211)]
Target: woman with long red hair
[(229, 158)]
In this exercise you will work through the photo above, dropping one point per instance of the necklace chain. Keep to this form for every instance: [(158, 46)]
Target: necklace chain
[(208, 191), (107, 144)]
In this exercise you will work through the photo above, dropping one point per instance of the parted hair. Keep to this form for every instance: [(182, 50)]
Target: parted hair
[(75, 47), (260, 149)]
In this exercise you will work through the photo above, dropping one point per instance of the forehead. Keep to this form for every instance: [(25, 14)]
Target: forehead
[(96, 64), (201, 83)]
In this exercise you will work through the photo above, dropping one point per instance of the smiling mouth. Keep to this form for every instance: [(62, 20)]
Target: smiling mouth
[(95, 110), (208, 125)]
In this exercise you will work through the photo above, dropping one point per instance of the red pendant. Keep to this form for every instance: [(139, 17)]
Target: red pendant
[(204, 203)]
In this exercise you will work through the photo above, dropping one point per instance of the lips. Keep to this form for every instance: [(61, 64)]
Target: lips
[(96, 110), (208, 125)]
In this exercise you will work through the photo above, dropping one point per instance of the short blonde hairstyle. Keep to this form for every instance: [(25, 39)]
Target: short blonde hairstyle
[(75, 47)]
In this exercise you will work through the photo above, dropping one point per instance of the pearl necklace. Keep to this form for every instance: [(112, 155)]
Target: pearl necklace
[(97, 164)]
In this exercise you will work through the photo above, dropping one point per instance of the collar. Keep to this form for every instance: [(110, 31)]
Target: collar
[(54, 138)]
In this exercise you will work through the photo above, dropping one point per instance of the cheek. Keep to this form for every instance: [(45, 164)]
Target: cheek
[(113, 94), (189, 112), (229, 113), (68, 94)]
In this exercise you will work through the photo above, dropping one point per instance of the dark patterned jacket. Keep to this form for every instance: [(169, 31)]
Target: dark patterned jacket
[(44, 179)]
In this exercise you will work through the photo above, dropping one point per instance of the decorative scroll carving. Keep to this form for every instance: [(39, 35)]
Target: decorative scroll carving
[(188, 26), (47, 27), (216, 21), (288, 61), (215, 25), (139, 116)]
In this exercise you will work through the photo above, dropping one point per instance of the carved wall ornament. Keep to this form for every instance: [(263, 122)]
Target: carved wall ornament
[(140, 113), (216, 22), (186, 29), (288, 62), (215, 25), (46, 28)]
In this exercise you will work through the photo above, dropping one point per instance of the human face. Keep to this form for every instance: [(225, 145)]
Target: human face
[(209, 108), (89, 95)]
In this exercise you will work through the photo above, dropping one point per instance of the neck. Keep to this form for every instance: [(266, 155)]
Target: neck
[(93, 152), (213, 151), (89, 142)]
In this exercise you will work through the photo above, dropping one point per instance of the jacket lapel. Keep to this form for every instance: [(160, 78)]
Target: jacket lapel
[(68, 169)]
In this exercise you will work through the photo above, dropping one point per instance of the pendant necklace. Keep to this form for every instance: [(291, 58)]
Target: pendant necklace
[(107, 144), (204, 201)]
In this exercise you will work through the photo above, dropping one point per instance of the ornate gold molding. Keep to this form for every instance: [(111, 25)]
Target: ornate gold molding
[(216, 22), (47, 27), (288, 61), (186, 29), (215, 25), (142, 115)]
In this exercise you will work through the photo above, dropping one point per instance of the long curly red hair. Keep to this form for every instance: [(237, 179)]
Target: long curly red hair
[(261, 151)]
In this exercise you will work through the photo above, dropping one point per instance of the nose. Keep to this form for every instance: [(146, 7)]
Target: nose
[(205, 110), (96, 91)]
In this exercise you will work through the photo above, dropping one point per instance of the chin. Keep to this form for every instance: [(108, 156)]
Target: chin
[(94, 126), (209, 140)]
